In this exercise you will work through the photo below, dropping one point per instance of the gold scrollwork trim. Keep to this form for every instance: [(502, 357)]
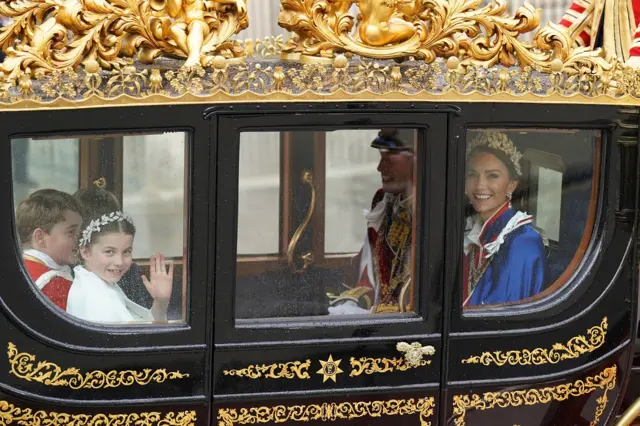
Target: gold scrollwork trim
[(24, 366), (361, 366), (328, 412), (575, 347), (10, 413), (288, 370), (605, 380)]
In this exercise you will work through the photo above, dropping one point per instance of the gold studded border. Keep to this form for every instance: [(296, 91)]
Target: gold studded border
[(605, 380), (574, 348), (327, 412), (10, 413), (25, 366)]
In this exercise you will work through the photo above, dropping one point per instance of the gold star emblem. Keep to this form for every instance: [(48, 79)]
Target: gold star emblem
[(330, 369)]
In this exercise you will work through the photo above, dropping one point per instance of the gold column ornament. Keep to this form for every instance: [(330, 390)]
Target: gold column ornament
[(46, 35), (575, 347), (12, 414), (605, 381), (427, 29), (328, 412), (24, 366)]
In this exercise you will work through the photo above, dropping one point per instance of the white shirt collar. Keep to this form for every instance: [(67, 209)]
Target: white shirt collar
[(47, 260)]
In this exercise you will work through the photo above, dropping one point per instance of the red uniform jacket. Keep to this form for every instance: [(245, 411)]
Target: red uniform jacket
[(54, 284)]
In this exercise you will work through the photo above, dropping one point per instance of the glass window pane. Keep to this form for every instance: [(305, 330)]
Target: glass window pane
[(259, 193), (337, 259), (42, 163), (531, 196), (153, 191), (90, 233), (351, 178)]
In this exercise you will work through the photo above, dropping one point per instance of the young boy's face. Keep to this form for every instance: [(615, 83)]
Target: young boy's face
[(60, 243)]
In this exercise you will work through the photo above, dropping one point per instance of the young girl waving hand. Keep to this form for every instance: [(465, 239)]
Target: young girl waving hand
[(106, 249)]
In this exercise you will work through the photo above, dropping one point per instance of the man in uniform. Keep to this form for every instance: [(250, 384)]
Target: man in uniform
[(385, 284)]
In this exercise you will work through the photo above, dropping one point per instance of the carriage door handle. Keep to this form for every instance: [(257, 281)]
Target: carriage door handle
[(413, 352), (307, 258)]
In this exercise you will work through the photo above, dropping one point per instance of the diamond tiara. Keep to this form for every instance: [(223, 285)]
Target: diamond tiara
[(501, 142), (96, 224)]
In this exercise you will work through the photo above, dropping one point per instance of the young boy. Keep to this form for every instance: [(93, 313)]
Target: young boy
[(48, 225)]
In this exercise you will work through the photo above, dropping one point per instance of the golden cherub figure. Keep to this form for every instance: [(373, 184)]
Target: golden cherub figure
[(190, 29), (383, 21)]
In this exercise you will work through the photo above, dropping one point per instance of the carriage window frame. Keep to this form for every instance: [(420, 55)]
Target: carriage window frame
[(564, 282), (91, 155), (432, 124)]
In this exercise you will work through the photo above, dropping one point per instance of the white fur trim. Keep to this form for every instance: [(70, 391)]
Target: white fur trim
[(518, 220)]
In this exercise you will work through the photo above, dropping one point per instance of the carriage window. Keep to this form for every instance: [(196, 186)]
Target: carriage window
[(101, 224), (326, 223), (531, 197)]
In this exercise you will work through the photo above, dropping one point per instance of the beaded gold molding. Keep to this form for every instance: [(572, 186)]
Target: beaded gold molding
[(287, 370), (328, 412), (9, 413), (355, 80), (24, 366), (369, 366), (605, 381), (574, 348)]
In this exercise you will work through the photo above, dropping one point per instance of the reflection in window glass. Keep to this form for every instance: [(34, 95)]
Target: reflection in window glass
[(351, 178), (98, 258), (259, 193), (42, 163), (530, 215), (335, 259)]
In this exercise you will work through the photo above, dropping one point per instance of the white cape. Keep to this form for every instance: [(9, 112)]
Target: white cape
[(93, 299)]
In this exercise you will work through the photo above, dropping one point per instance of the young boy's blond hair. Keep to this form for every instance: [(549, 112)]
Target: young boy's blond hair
[(43, 209)]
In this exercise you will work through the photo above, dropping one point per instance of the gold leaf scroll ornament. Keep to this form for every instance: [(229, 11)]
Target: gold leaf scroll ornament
[(49, 35), (574, 348), (9, 414), (428, 29), (289, 370), (23, 365), (328, 412), (605, 380)]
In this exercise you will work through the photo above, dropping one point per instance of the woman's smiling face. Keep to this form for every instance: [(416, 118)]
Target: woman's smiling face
[(488, 184)]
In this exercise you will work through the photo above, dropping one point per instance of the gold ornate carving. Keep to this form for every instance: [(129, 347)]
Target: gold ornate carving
[(46, 35), (11, 414), (361, 366), (307, 258), (605, 381), (23, 365), (330, 369), (328, 412), (288, 370), (347, 80), (575, 347), (427, 29)]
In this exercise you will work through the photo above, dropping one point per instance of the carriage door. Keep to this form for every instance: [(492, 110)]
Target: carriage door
[(546, 336), (303, 330)]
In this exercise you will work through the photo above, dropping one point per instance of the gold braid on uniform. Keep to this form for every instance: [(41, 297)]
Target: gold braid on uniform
[(398, 238)]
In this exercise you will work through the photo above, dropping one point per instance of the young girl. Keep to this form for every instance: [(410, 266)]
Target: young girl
[(106, 250)]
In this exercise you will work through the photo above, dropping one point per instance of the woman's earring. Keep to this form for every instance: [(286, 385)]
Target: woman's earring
[(509, 196)]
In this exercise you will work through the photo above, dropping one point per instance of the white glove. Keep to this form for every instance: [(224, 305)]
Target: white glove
[(348, 308)]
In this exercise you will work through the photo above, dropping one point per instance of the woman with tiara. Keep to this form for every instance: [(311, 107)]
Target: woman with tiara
[(504, 255)]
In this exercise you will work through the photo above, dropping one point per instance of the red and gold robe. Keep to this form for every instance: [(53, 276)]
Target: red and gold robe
[(385, 262)]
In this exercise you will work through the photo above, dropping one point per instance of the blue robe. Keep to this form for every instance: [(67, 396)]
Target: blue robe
[(517, 270)]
